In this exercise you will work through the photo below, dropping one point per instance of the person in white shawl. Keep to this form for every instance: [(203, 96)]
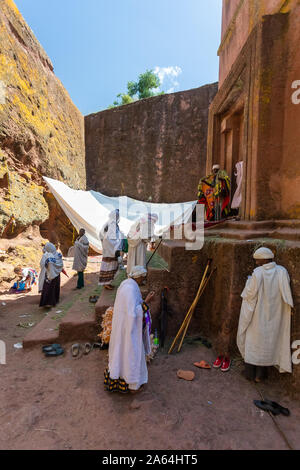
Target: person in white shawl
[(130, 336), (112, 242), (263, 336), (49, 280), (81, 251), (140, 233)]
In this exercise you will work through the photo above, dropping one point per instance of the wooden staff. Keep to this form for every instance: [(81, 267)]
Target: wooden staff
[(194, 306), (154, 252), (187, 315)]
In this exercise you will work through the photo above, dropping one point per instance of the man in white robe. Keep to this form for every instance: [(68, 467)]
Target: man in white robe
[(81, 251), (112, 242), (265, 320), (128, 344), (138, 237)]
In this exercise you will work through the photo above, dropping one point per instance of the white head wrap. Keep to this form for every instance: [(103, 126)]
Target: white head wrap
[(138, 271), (263, 253), (216, 167)]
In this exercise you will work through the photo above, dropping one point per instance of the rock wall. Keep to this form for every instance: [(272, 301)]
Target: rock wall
[(41, 131), (255, 117), (217, 313), (151, 150)]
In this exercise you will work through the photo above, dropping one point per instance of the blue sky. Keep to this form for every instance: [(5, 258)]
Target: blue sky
[(97, 46)]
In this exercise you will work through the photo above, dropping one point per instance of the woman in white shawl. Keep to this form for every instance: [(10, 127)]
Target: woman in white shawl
[(112, 241), (49, 281), (265, 320), (81, 251), (141, 232), (130, 336)]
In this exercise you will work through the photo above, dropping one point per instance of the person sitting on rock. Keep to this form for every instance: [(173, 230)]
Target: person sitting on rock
[(214, 193)]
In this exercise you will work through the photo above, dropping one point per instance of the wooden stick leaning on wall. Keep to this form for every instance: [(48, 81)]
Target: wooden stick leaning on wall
[(188, 313), (194, 306)]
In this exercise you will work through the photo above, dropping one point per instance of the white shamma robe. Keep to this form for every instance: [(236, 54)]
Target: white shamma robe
[(127, 355), (265, 320), (81, 251)]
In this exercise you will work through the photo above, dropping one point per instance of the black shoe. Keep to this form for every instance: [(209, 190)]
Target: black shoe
[(51, 347), (277, 406), (263, 405)]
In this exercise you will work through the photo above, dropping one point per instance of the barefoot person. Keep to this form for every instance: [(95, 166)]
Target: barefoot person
[(129, 340), (81, 251), (112, 241), (49, 281), (265, 321)]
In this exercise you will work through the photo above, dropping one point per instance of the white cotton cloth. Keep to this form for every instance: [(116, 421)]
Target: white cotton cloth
[(138, 271), (263, 253), (111, 236), (51, 264), (136, 254), (264, 330), (81, 251), (140, 233), (127, 357), (237, 198)]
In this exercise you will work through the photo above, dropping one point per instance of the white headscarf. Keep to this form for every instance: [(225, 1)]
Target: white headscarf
[(138, 271), (143, 228), (51, 264), (263, 253), (111, 228)]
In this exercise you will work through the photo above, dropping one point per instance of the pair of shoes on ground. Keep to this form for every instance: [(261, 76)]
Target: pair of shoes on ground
[(272, 406), (52, 350), (222, 362), (77, 350)]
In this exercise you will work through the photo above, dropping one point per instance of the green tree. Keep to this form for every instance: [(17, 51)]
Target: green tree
[(145, 87)]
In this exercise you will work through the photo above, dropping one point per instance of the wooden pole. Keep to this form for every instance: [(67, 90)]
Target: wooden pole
[(192, 311), (187, 315)]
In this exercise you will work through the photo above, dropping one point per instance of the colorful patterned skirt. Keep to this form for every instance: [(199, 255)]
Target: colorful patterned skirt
[(108, 270), (117, 385)]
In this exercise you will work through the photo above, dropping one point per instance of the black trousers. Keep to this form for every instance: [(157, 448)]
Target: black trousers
[(253, 372)]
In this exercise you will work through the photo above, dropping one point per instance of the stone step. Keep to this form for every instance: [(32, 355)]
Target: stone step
[(238, 234), (45, 332)]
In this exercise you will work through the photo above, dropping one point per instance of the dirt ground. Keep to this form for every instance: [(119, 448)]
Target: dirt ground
[(59, 403)]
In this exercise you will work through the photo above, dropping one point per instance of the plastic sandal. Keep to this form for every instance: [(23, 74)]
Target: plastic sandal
[(186, 375), (51, 347), (55, 352), (202, 365), (277, 406), (87, 348), (76, 349)]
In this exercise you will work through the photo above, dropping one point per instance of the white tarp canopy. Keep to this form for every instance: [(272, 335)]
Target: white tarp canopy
[(90, 209)]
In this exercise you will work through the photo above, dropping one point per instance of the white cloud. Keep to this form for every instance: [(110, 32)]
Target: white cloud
[(168, 77), (2, 92)]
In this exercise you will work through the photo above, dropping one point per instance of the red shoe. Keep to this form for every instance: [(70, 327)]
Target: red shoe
[(218, 362), (225, 364)]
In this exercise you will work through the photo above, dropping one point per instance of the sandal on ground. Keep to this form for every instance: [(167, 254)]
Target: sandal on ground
[(263, 405), (109, 287), (277, 406), (202, 365), (87, 348), (51, 347), (75, 350), (55, 352), (186, 374)]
